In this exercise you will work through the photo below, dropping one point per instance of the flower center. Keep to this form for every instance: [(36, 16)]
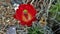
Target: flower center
[(27, 16), (25, 11)]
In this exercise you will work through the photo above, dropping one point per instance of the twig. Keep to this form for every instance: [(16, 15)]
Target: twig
[(32, 1), (49, 7), (56, 30)]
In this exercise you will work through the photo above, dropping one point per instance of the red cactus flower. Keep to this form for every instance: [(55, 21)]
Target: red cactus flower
[(26, 14)]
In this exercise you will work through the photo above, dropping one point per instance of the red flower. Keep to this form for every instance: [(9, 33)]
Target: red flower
[(26, 14)]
